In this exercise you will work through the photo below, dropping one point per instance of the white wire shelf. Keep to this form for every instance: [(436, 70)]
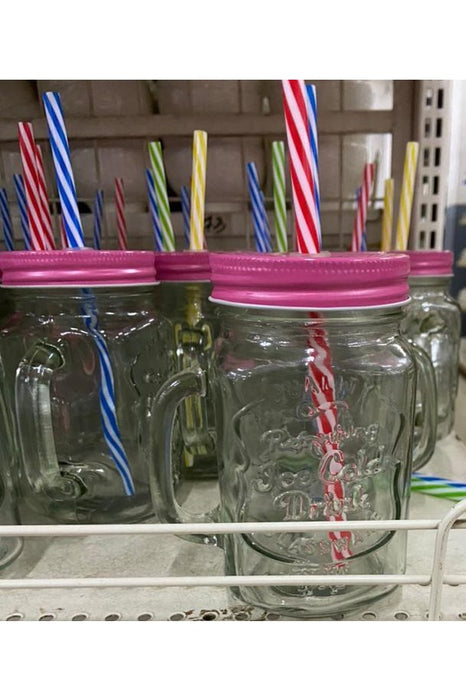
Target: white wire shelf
[(144, 572)]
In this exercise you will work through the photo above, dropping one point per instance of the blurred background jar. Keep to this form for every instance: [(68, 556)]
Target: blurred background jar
[(432, 320)]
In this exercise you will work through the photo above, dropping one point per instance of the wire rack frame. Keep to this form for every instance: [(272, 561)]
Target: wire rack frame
[(436, 578)]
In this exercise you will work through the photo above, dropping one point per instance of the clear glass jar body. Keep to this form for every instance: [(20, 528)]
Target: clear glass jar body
[(53, 382), (276, 465), (194, 328), (432, 320)]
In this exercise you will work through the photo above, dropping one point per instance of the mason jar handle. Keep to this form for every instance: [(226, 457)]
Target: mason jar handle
[(426, 382), (184, 384), (35, 426)]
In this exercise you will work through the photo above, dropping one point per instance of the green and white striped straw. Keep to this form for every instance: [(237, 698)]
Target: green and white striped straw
[(436, 486), (278, 171), (156, 161)]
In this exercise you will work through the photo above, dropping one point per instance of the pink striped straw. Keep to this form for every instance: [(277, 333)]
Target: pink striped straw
[(31, 186), (361, 213), (120, 214), (44, 201), (295, 101)]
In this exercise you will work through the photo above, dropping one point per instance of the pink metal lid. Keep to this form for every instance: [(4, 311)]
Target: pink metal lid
[(430, 263), (183, 266), (325, 280), (77, 268)]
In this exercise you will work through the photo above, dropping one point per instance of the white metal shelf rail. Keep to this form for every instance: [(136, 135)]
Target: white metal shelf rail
[(436, 578)]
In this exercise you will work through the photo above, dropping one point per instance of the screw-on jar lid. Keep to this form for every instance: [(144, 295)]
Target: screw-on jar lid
[(83, 267), (430, 263), (321, 281), (183, 266)]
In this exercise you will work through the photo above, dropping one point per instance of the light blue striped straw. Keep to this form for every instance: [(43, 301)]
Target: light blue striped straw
[(98, 212), (257, 205), (6, 220), (23, 215), (438, 487), (75, 236), (186, 209), (312, 112), (154, 210), (63, 170)]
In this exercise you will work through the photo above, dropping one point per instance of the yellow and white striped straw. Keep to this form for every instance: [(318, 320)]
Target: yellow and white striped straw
[(387, 221), (407, 194), (196, 239), (161, 195)]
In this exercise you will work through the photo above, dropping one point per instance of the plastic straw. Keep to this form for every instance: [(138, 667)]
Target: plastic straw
[(320, 381), (361, 211), (438, 487), (407, 194), (312, 116), (6, 220), (257, 210), (22, 206), (307, 222), (27, 149), (279, 200), (156, 159), (364, 235), (75, 238), (120, 214), (186, 210), (198, 182), (265, 223), (154, 210), (97, 218), (63, 170), (44, 200)]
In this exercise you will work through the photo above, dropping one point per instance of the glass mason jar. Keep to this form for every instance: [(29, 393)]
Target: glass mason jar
[(84, 352), (182, 296), (432, 320), (314, 389)]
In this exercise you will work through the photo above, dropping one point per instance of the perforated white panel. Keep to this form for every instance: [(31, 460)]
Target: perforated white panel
[(433, 134)]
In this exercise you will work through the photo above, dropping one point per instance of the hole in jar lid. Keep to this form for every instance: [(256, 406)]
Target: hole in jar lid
[(177, 616), (369, 615), (14, 617), (80, 616), (46, 617), (209, 615), (145, 616), (401, 615)]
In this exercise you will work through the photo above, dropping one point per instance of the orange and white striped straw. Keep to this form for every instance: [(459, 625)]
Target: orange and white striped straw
[(27, 149), (407, 195), (387, 220), (44, 200), (120, 214), (198, 183), (361, 213)]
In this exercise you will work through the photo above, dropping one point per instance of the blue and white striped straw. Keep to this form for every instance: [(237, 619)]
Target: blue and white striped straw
[(6, 220), (98, 212), (154, 210), (257, 209), (75, 236), (312, 113), (438, 487), (186, 209), (265, 222), (23, 215), (63, 170)]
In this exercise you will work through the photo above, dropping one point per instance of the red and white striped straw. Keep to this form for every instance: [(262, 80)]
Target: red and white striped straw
[(63, 239), (44, 201), (120, 214), (295, 102), (31, 186), (363, 202)]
